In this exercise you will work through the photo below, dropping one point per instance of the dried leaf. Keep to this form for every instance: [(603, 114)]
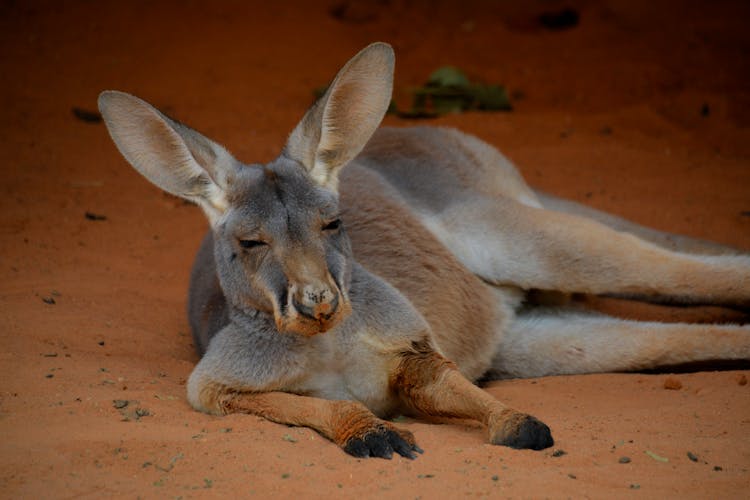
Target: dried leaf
[(656, 457)]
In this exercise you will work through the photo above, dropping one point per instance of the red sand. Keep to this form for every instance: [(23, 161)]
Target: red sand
[(642, 110)]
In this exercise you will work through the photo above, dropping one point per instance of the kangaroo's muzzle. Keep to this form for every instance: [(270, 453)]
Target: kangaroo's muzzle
[(321, 309), (312, 309)]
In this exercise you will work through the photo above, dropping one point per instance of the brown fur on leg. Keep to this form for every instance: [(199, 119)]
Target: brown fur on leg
[(349, 424), (418, 368), (430, 384)]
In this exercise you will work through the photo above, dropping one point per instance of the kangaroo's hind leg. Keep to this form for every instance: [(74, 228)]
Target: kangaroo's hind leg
[(564, 342), (508, 243), (666, 240)]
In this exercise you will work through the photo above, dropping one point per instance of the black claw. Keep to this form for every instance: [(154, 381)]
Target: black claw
[(357, 448), (400, 446), (531, 434), (381, 443)]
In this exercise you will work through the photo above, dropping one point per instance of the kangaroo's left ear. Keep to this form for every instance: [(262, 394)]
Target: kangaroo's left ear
[(339, 125), (171, 155)]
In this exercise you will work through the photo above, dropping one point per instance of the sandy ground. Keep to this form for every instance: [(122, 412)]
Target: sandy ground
[(640, 110)]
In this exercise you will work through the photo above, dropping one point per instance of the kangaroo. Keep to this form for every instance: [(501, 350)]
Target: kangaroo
[(369, 272)]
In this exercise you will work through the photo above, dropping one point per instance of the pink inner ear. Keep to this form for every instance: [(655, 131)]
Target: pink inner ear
[(336, 128), (359, 98), (172, 156)]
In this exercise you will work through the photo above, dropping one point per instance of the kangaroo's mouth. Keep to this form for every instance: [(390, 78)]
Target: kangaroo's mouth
[(308, 320), (320, 312)]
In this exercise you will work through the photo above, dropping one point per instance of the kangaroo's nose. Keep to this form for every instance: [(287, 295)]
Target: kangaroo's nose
[(316, 303)]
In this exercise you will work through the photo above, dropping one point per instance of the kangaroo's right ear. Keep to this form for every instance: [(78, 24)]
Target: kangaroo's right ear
[(339, 125), (171, 155)]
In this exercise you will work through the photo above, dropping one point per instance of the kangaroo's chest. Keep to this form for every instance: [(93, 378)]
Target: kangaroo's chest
[(353, 369)]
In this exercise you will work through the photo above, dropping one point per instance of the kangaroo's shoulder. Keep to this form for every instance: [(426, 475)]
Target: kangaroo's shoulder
[(390, 239)]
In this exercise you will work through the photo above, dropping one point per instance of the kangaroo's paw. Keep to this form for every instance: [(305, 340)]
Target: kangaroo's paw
[(521, 431), (381, 441)]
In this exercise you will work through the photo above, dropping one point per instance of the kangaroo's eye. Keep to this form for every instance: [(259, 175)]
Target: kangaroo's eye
[(252, 243), (333, 225)]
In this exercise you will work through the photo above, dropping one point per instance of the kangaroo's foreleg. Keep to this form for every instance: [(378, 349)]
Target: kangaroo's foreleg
[(428, 383), (347, 423)]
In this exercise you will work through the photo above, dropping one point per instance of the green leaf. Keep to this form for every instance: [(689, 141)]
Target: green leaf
[(448, 76), (492, 98)]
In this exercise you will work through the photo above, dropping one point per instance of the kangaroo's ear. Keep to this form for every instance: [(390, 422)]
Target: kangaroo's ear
[(169, 154), (339, 125)]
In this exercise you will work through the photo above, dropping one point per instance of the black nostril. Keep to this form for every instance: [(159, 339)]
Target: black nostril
[(311, 313), (334, 306), (283, 300), (303, 309)]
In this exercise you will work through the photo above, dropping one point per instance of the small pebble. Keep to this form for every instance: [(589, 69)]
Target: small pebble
[(86, 115), (95, 217), (692, 456), (672, 384), (624, 460)]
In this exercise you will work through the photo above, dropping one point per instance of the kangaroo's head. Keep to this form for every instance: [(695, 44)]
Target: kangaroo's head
[(280, 246)]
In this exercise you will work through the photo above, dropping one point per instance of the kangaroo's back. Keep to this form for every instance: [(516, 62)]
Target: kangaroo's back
[(435, 168), (208, 311)]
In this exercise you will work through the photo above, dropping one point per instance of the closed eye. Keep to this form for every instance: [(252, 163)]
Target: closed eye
[(252, 243), (333, 225)]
